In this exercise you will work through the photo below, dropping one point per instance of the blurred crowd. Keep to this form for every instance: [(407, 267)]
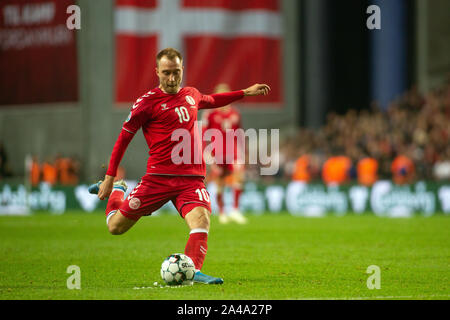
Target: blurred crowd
[(5, 168), (409, 141), (59, 170)]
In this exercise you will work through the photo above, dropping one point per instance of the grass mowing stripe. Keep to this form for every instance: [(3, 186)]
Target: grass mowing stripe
[(272, 257)]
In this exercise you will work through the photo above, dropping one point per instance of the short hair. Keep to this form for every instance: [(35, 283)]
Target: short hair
[(170, 53)]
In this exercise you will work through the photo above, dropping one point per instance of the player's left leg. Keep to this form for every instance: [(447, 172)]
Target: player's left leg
[(117, 223), (220, 183), (149, 195), (236, 186), (198, 221), (217, 174)]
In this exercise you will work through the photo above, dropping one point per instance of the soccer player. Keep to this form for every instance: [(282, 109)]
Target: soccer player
[(159, 113), (222, 172)]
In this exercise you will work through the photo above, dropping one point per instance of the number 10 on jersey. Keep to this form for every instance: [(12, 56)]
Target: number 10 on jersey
[(202, 194), (183, 114)]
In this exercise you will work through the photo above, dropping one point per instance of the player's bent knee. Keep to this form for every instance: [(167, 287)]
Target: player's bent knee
[(119, 224), (116, 230)]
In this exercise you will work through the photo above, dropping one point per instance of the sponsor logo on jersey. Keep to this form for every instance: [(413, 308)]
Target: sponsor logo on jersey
[(190, 100), (164, 106)]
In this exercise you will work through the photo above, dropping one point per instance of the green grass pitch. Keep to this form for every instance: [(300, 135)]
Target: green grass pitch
[(275, 257)]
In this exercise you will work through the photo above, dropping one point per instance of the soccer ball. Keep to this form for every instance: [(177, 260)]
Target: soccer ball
[(178, 269)]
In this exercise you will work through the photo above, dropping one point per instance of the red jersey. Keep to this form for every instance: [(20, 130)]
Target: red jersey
[(223, 120), (160, 114)]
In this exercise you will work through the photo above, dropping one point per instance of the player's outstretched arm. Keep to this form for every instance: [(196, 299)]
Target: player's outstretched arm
[(217, 100), (257, 90)]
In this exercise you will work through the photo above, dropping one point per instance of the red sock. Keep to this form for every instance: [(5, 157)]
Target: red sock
[(197, 246), (237, 196), (220, 202), (114, 201)]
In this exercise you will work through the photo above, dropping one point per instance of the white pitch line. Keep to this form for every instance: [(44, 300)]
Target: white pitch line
[(157, 285)]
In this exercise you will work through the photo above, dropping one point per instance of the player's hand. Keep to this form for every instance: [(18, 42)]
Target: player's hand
[(257, 90), (106, 187)]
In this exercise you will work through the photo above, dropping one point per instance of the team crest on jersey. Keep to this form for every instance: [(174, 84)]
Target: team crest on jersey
[(164, 106), (190, 100), (134, 203)]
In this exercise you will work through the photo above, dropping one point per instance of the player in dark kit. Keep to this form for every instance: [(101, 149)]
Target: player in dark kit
[(159, 113)]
